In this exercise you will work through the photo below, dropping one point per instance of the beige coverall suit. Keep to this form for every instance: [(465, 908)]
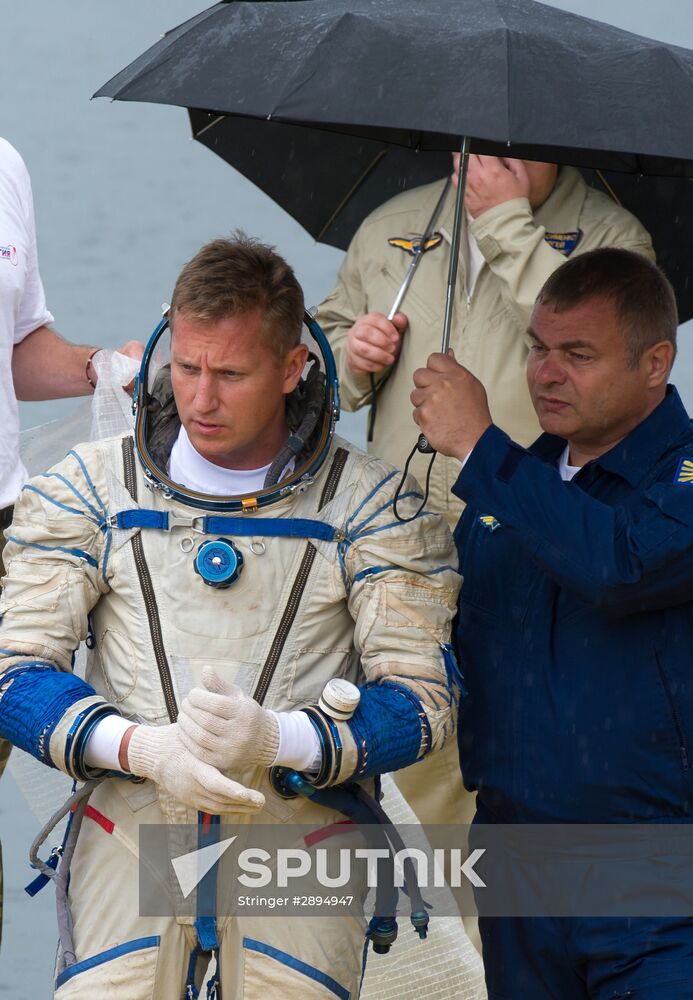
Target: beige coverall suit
[(376, 609)]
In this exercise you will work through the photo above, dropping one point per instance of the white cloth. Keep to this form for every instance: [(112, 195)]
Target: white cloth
[(189, 468), (476, 259), (476, 262), (567, 471), (299, 746), (22, 305), (104, 743)]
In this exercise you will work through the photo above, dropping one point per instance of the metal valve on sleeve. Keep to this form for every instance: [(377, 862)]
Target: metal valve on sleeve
[(339, 700)]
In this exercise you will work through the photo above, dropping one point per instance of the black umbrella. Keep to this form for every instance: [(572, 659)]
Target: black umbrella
[(331, 106)]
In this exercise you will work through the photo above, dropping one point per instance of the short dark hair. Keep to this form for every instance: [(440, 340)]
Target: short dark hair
[(228, 277), (640, 293)]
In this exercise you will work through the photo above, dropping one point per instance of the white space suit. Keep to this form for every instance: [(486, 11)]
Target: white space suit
[(354, 593)]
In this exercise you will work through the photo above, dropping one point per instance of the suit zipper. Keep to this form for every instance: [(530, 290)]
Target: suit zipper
[(292, 605), (148, 590)]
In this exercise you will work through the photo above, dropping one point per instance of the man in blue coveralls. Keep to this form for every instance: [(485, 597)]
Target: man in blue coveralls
[(575, 626)]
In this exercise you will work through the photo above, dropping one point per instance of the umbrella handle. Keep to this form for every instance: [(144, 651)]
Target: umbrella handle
[(424, 446)]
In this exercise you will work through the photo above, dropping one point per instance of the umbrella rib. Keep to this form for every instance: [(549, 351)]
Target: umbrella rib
[(608, 187), (162, 47), (354, 188), (299, 79), (209, 125)]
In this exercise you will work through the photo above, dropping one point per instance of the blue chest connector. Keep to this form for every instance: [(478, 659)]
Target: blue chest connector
[(218, 562)]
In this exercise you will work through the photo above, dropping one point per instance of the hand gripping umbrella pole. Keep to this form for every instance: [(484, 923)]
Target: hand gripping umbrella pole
[(423, 445)]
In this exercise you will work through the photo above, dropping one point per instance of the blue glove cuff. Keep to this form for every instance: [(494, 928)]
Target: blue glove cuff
[(390, 728), (34, 697)]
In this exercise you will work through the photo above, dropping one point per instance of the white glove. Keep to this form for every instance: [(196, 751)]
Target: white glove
[(223, 727), (157, 752)]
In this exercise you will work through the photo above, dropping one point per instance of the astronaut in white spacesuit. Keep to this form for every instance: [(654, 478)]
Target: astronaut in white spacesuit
[(233, 534)]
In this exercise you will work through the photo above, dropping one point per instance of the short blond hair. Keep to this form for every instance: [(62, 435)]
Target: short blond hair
[(229, 277)]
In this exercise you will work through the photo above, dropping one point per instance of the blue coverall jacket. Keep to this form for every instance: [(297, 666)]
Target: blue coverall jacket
[(575, 628)]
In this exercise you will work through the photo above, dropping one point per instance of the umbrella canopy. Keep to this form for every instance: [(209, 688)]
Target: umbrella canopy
[(327, 105), (424, 75)]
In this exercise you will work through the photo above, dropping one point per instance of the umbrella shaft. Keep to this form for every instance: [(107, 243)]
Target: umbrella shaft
[(419, 251), (455, 247), (404, 287), (423, 444)]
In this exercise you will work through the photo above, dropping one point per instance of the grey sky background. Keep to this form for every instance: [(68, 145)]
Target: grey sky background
[(123, 197)]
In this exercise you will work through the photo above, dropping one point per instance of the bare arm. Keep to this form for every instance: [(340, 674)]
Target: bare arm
[(44, 366)]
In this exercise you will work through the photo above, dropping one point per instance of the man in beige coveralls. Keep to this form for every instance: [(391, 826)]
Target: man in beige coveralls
[(523, 219)]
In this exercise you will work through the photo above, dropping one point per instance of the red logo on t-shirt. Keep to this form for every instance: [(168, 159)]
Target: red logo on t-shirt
[(9, 253)]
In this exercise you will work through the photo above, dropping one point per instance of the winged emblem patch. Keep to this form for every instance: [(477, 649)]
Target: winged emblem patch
[(411, 245)]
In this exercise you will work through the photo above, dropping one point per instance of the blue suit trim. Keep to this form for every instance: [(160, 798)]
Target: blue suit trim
[(79, 733), (268, 527), (56, 503), (80, 553), (139, 944), (90, 484), (372, 571), (250, 944), (137, 518), (205, 923), (405, 496), (190, 986), (294, 527), (73, 489), (30, 711), (107, 550), (442, 569), (390, 728), (370, 496), (385, 527)]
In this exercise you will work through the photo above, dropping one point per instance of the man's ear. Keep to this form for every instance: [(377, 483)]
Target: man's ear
[(658, 360), (294, 362)]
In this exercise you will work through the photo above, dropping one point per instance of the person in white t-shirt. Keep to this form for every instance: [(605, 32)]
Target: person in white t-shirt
[(35, 362)]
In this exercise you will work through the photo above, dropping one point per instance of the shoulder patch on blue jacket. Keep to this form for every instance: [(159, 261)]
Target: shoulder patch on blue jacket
[(684, 472), (411, 245), (565, 243), (489, 522)]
